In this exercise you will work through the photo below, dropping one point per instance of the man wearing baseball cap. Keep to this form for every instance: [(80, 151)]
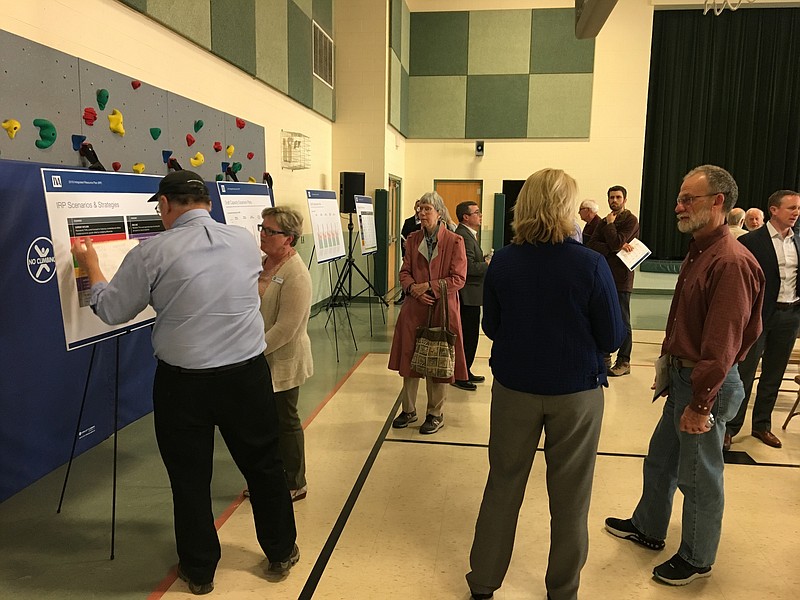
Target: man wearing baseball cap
[(201, 278)]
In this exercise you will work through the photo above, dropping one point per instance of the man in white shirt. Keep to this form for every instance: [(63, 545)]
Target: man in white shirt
[(775, 247)]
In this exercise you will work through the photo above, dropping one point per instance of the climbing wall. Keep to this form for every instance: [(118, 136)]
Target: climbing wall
[(131, 125)]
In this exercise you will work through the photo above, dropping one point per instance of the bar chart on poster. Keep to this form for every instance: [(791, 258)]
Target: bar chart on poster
[(242, 204), (323, 207), (112, 210)]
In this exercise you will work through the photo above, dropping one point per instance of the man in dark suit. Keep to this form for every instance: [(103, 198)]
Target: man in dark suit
[(471, 295), (776, 248), (410, 225)]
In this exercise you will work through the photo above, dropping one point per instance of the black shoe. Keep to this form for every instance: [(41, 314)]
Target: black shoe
[(623, 528), (403, 419), (676, 571), (432, 424), (476, 378), (464, 385), (198, 589), (280, 568), (477, 596)]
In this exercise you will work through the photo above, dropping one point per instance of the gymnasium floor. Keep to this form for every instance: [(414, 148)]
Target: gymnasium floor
[(390, 513)]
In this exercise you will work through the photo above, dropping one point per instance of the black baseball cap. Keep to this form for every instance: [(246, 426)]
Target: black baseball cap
[(181, 182)]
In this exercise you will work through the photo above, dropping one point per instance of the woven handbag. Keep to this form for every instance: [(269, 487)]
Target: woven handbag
[(435, 347)]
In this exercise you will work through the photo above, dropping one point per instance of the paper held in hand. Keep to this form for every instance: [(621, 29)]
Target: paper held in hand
[(661, 383), (636, 256)]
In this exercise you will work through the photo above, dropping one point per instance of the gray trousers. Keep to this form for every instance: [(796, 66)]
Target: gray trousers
[(291, 438), (571, 425), (437, 392)]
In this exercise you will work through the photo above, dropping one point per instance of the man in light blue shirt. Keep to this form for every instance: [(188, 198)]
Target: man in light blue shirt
[(201, 277)]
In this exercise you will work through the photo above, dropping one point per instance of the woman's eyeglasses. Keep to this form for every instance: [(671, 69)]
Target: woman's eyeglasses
[(270, 232)]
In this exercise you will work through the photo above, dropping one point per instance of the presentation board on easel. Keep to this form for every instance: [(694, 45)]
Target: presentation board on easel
[(112, 209), (323, 208), (366, 225), (243, 202)]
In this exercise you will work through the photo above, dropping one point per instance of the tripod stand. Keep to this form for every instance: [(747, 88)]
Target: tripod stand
[(347, 273)]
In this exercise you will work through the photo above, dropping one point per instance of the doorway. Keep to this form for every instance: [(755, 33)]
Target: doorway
[(454, 192)]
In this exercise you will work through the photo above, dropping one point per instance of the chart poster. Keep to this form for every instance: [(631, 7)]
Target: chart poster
[(366, 225), (242, 204), (323, 207), (112, 209)]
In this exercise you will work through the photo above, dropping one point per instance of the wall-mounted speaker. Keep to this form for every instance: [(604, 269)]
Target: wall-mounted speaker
[(479, 148), (350, 185)]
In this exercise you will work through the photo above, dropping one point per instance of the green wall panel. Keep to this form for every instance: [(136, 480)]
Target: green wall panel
[(554, 47), (140, 5), (405, 33), (437, 106), (395, 87), (439, 43), (404, 100), (497, 106), (499, 42), (307, 6), (396, 27), (323, 98), (272, 47), (560, 105), (322, 11), (233, 32), (172, 13), (301, 87)]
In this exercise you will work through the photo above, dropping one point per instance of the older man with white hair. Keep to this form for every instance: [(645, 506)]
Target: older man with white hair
[(588, 214), (753, 219), (735, 222)]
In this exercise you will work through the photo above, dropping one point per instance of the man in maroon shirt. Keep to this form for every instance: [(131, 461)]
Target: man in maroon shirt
[(713, 321)]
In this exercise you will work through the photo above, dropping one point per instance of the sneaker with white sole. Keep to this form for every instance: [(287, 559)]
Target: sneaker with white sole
[(280, 568), (624, 528), (403, 419), (677, 571), (432, 424), (620, 369)]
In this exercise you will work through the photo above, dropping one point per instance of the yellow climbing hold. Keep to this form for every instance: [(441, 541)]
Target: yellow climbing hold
[(229, 150), (251, 179), (115, 122), (138, 168), (197, 160), (12, 127)]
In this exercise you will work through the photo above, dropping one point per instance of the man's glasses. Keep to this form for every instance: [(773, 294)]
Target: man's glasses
[(687, 200), (477, 212), (158, 209), (270, 232)]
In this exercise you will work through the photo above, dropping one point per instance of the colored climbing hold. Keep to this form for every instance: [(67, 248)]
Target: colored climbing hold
[(198, 125), (251, 179), (102, 98), (136, 84), (217, 146), (116, 166), (197, 160), (89, 116), (47, 133), (115, 122), (155, 132), (189, 139), (165, 154), (229, 150), (236, 167), (11, 126), (240, 123), (138, 168), (77, 140), (250, 156), (225, 166), (219, 177)]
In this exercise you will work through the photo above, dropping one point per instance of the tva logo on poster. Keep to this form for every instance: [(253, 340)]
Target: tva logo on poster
[(41, 260)]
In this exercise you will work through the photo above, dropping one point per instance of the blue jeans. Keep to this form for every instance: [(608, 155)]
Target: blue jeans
[(691, 462)]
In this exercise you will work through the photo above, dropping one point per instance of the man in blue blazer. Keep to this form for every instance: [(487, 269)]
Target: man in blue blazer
[(776, 247)]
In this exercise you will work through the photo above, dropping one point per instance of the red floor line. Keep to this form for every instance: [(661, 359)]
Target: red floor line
[(167, 582)]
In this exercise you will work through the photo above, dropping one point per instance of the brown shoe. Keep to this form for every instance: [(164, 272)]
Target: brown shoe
[(768, 438), (619, 369), (726, 443)]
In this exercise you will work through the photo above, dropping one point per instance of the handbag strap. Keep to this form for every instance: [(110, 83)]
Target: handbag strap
[(443, 301)]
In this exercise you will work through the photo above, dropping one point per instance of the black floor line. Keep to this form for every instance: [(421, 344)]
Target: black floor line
[(336, 532)]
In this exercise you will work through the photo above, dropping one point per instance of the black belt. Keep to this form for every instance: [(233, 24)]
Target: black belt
[(787, 305), (208, 371), (681, 363)]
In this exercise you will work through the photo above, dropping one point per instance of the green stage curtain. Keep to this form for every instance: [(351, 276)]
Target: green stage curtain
[(724, 90)]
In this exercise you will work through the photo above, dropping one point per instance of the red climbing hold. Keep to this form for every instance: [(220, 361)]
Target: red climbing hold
[(217, 146), (189, 139), (116, 166), (136, 84), (89, 115), (240, 123), (250, 156)]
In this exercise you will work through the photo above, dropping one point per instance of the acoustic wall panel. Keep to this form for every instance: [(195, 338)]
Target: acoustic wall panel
[(272, 49), (173, 14), (233, 32), (490, 52)]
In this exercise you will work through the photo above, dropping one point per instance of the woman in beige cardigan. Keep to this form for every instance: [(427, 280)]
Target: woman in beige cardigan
[(285, 289)]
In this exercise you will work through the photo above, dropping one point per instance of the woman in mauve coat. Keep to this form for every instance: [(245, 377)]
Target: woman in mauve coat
[(433, 253)]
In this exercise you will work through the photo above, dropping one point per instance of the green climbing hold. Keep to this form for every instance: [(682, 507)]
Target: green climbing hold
[(236, 167), (47, 133), (198, 125), (155, 132), (220, 177), (102, 98)]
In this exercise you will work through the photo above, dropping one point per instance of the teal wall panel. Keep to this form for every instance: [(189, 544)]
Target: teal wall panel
[(172, 13), (272, 46), (396, 27), (140, 5), (322, 12), (300, 56), (233, 32), (395, 87), (323, 98), (497, 106), (307, 6), (439, 43), (437, 107), (560, 105), (405, 34), (404, 100), (554, 47), (493, 47)]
